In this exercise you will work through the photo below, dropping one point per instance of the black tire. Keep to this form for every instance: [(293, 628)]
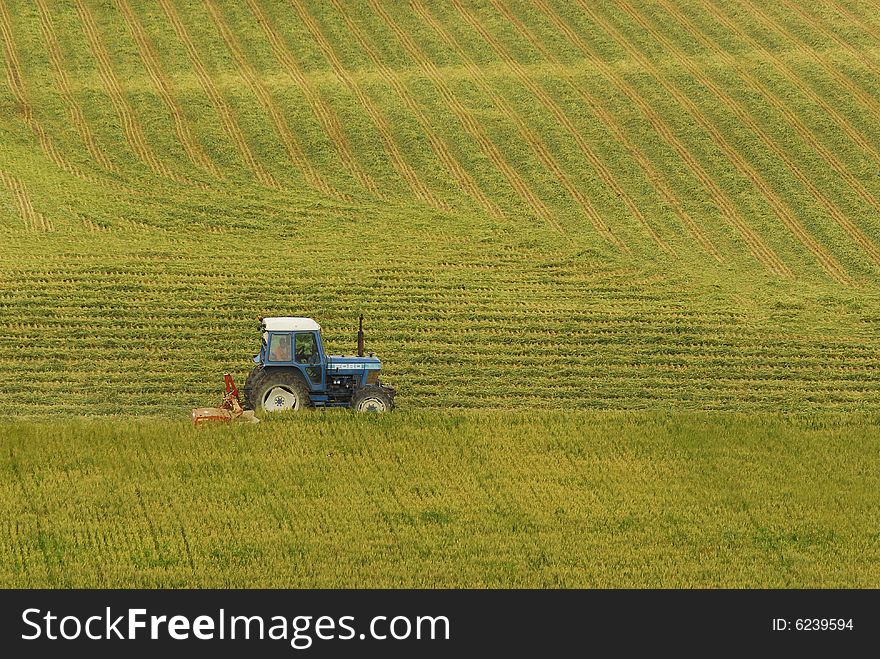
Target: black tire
[(372, 398), (278, 389), (249, 384)]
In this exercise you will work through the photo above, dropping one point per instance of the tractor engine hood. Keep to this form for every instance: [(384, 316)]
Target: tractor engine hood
[(339, 363)]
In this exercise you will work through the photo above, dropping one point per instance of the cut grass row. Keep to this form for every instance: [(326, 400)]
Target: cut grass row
[(255, 61), (154, 328)]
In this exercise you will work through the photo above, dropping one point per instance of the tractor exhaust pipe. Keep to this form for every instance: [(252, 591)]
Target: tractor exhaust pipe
[(361, 337)]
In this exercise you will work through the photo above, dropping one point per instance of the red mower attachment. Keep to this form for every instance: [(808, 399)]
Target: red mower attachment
[(229, 410)]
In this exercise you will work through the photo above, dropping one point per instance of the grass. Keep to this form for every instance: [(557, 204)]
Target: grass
[(486, 499), (546, 210)]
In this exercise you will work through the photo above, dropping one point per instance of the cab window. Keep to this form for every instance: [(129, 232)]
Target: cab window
[(279, 348), (306, 349)]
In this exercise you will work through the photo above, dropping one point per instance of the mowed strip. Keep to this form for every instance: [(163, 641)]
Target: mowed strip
[(864, 25), (868, 101), (255, 83), (467, 120), (441, 150), (529, 135), (150, 59), (726, 207), (784, 69), (398, 161), (782, 210), (854, 232), (134, 133), (323, 112), (819, 27), (26, 110), (230, 125), (825, 260), (33, 221), (62, 81), (592, 157), (656, 179)]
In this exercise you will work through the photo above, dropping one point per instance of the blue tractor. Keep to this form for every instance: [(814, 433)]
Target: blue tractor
[(293, 372)]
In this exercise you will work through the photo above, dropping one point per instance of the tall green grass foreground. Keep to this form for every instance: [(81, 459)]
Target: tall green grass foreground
[(439, 499)]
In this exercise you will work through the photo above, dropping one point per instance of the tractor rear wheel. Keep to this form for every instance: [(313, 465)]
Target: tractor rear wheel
[(252, 380), (279, 390), (372, 399)]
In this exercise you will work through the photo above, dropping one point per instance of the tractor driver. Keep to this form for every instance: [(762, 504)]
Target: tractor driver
[(279, 350)]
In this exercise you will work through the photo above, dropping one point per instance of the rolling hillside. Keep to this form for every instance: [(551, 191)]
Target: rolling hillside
[(536, 204)]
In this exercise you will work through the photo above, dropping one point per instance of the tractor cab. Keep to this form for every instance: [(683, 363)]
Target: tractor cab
[(293, 371), (294, 343)]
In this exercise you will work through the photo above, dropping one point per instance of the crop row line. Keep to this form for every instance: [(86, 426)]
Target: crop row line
[(782, 210), (33, 221), (822, 29), (527, 133), (786, 70), (473, 127), (441, 150), (869, 102), (130, 124), (656, 179), (151, 62), (540, 148), (227, 119), (249, 75), (24, 107), (857, 20), (322, 111), (840, 217), (728, 210), (598, 166), (64, 88), (563, 120), (398, 161), (694, 111)]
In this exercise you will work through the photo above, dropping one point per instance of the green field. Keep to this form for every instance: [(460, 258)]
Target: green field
[(488, 499), (544, 209)]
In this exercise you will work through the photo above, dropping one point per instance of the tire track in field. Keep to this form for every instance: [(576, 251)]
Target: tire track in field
[(227, 119), (854, 18), (477, 132), (323, 112), (130, 124), (13, 75), (440, 148), (782, 210), (756, 245), (819, 27), (868, 101), (593, 103), (406, 172), (33, 221), (151, 62), (525, 132), (839, 217), (653, 175), (252, 79), (77, 118), (794, 78), (546, 157)]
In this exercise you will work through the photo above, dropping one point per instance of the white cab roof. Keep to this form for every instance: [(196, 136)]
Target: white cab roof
[(290, 324)]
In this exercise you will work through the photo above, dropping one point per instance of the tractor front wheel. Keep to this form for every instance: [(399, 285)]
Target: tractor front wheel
[(279, 391), (372, 399)]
